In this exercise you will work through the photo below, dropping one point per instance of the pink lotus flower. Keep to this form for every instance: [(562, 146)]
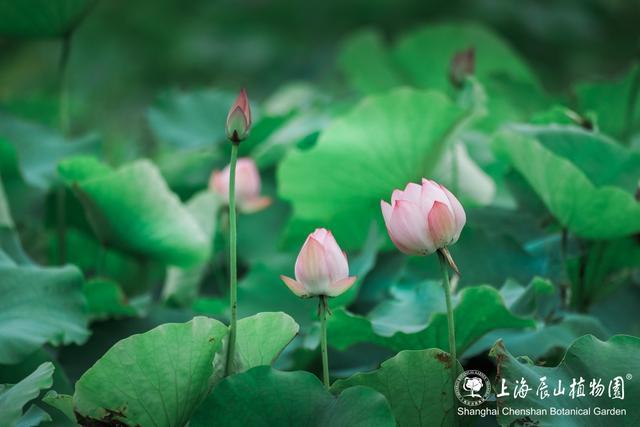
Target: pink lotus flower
[(423, 218), (321, 268), (247, 186), (239, 119)]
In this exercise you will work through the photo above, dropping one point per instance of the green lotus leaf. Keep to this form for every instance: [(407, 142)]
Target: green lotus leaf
[(603, 368), (266, 397), (157, 378), (131, 208)]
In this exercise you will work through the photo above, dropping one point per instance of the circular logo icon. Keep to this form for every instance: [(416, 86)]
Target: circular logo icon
[(472, 388)]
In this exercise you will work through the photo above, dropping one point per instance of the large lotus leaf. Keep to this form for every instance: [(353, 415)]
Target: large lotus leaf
[(602, 159), (186, 171), (366, 63), (588, 211), (602, 270), (14, 397), (157, 378), (263, 396), (480, 309), (39, 305), (615, 103), (38, 149), (417, 384), (85, 252), (385, 142), (545, 339), (422, 58), (105, 334), (133, 209), (425, 54), (260, 340), (511, 100), (408, 307), (297, 130), (535, 300), (41, 18), (411, 305), (181, 285), (619, 311), (262, 337), (593, 367), (190, 119)]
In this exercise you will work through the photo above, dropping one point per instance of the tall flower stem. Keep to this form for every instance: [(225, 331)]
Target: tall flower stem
[(233, 271), (323, 308), (444, 266)]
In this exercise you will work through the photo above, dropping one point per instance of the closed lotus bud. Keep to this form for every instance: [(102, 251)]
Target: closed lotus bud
[(321, 268), (247, 186), (239, 119), (462, 65), (423, 218)]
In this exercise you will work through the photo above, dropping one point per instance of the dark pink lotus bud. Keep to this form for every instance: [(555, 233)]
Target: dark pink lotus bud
[(239, 119), (462, 65)]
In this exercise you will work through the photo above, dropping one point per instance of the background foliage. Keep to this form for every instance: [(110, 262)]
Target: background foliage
[(113, 251)]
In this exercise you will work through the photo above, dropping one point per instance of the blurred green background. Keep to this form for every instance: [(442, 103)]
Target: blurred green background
[(541, 144), (125, 53)]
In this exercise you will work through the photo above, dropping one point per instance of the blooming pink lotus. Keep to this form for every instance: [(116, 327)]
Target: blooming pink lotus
[(321, 268), (247, 186), (423, 218)]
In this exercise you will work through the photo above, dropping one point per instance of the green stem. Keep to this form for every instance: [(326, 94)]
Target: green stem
[(233, 272), (444, 266), (323, 308)]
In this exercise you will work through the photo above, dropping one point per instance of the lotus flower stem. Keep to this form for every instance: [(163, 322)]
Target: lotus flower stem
[(323, 309), (233, 272), (444, 266)]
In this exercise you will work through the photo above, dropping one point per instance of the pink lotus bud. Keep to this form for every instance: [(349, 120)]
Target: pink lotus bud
[(239, 119), (247, 186), (321, 268), (423, 218), (462, 65)]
